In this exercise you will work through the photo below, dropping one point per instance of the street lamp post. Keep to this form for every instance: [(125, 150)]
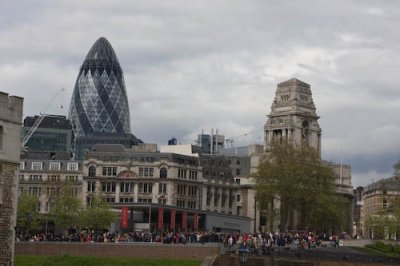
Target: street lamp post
[(243, 255)]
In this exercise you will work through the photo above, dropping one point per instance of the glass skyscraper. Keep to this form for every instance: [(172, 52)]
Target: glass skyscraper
[(99, 111)]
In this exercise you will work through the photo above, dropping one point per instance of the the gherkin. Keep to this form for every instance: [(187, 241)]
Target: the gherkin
[(99, 111), (99, 101)]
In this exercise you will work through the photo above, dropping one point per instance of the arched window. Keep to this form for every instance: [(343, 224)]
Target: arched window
[(92, 171), (163, 172)]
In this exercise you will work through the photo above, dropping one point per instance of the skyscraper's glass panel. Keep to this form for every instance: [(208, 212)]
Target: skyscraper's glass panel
[(99, 102)]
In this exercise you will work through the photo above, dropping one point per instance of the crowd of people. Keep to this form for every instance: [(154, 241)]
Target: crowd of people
[(259, 242)]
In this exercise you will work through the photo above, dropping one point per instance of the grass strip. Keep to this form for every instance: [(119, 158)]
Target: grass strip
[(65, 260)]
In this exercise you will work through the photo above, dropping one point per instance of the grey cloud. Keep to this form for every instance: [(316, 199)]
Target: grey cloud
[(215, 64)]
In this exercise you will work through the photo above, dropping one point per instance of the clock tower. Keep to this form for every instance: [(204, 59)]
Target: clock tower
[(293, 116)]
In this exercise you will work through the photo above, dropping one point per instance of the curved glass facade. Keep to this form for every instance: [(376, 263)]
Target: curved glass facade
[(99, 102)]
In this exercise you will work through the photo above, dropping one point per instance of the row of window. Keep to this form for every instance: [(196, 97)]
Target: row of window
[(182, 174), (53, 166), (223, 200), (192, 190), (126, 187), (143, 171), (190, 204), (50, 191), (50, 178)]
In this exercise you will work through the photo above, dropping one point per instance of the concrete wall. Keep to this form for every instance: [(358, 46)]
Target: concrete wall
[(139, 250)]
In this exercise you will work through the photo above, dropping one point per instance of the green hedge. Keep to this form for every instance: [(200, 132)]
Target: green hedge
[(385, 248)]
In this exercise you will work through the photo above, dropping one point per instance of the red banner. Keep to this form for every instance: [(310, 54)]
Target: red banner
[(184, 221), (195, 221), (160, 218), (172, 220), (124, 217)]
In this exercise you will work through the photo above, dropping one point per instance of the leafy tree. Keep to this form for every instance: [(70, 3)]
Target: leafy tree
[(66, 209), (301, 183), (28, 218), (99, 215)]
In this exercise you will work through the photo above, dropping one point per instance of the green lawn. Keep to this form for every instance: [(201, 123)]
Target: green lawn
[(23, 260)]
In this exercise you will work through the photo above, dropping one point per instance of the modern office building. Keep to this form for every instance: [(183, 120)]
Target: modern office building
[(211, 144), (53, 134), (99, 110), (10, 147)]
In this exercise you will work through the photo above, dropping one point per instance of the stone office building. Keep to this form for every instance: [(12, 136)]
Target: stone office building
[(10, 147), (161, 190), (45, 174)]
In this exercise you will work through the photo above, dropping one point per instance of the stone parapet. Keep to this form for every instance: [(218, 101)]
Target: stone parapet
[(138, 250)]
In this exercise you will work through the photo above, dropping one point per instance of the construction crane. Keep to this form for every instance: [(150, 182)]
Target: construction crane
[(39, 120), (229, 141)]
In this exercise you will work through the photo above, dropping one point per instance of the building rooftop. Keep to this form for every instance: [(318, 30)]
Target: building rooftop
[(49, 121)]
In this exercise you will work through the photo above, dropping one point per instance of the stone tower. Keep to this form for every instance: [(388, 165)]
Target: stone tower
[(293, 116), (10, 148)]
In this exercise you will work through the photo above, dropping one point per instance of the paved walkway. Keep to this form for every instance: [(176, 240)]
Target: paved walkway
[(327, 252)]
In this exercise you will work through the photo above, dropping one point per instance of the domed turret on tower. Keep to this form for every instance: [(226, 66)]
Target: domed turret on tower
[(99, 107)]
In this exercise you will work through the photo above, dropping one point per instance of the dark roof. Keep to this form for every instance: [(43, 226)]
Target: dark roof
[(108, 148), (49, 121), (391, 183)]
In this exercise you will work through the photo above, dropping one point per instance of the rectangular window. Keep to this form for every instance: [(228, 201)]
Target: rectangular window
[(162, 188), (72, 178), (72, 167), (145, 187), (192, 191), (126, 200), (51, 192), (237, 171), (146, 171), (180, 203), (162, 201), (53, 178), (108, 186), (109, 200), (91, 186), (109, 171), (88, 201), (35, 177), (181, 189), (1, 185), (22, 166), (144, 200), (35, 191), (238, 197), (191, 204), (385, 203), (237, 181), (126, 187), (54, 166), (37, 166), (192, 175)]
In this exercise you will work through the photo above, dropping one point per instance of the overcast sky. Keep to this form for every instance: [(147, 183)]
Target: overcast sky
[(193, 65)]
